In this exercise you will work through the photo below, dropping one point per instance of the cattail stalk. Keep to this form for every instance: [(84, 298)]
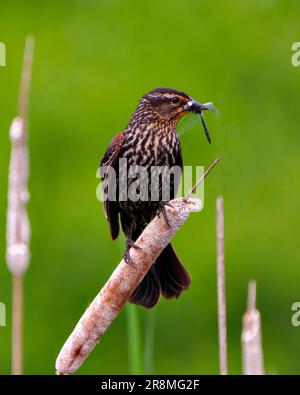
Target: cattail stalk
[(122, 283), (134, 340), (149, 343), (221, 288), (251, 336), (120, 286), (18, 228)]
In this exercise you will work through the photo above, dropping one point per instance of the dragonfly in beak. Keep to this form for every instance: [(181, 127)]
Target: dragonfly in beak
[(198, 108)]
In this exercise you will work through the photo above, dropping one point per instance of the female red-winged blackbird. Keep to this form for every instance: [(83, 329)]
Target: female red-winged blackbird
[(150, 139)]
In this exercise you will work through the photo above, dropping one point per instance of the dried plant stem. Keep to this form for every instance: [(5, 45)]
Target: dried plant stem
[(18, 229), (26, 77), (119, 287), (149, 342), (251, 336), (17, 344), (221, 287), (201, 179)]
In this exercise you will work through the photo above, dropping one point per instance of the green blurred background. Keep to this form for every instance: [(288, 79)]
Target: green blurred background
[(93, 61)]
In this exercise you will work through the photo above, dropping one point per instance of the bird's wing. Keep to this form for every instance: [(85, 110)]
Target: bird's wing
[(178, 162), (110, 158)]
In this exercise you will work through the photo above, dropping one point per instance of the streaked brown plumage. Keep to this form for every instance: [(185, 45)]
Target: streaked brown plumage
[(150, 139)]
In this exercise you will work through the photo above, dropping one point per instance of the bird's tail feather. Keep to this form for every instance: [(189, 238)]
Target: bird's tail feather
[(166, 276)]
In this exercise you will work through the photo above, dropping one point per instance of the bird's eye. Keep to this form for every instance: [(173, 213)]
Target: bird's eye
[(175, 100)]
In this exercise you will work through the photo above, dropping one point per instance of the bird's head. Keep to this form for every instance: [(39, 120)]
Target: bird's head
[(172, 105)]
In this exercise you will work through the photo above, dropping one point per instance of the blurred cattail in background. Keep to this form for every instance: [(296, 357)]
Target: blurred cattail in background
[(18, 228), (251, 336)]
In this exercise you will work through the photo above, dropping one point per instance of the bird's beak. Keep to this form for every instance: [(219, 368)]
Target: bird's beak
[(197, 108)]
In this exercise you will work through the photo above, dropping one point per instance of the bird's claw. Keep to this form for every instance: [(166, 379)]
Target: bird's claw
[(131, 243), (162, 210), (127, 257)]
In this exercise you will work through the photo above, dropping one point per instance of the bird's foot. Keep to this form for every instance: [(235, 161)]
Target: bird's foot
[(162, 210), (127, 258)]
